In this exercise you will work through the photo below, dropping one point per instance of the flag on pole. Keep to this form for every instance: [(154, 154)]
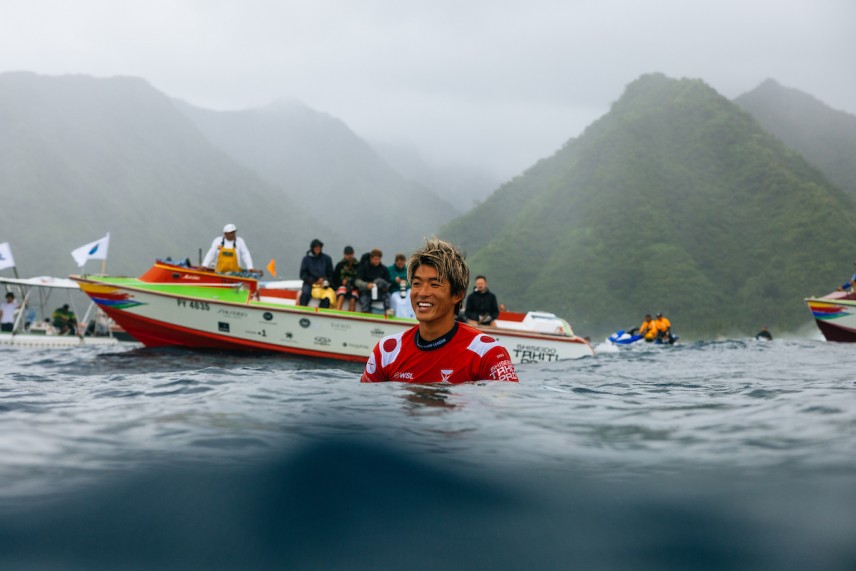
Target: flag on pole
[(6, 259), (271, 267), (96, 250)]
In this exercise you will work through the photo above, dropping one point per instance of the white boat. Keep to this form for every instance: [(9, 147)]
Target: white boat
[(187, 307), (32, 327)]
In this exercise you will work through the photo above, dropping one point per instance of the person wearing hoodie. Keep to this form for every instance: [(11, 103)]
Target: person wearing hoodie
[(315, 269)]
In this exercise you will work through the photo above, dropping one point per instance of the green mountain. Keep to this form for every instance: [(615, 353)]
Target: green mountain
[(323, 167), (823, 135), (675, 201), (81, 156)]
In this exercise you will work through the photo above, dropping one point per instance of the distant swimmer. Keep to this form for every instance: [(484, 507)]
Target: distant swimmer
[(764, 334), (228, 253), (438, 349)]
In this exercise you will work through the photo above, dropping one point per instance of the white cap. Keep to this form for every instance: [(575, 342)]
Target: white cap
[(229, 228)]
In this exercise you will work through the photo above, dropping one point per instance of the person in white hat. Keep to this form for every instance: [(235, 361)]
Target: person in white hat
[(229, 253)]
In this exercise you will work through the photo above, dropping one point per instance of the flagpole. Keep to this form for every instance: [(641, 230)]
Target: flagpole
[(104, 267)]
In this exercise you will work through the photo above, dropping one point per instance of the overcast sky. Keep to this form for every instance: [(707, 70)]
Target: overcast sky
[(492, 83)]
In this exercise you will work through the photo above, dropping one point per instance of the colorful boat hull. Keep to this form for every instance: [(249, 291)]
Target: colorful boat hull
[(835, 315), (239, 315)]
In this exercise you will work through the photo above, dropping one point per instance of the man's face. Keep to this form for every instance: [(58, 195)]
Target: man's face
[(375, 260), (481, 285), (431, 298), (399, 264), (316, 250), (349, 257), (231, 235)]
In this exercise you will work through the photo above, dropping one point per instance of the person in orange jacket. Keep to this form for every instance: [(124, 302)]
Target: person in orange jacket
[(648, 329), (663, 328)]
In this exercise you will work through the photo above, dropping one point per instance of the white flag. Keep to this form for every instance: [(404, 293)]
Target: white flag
[(6, 259), (96, 250)]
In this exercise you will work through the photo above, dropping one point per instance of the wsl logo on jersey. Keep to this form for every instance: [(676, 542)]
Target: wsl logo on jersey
[(402, 376)]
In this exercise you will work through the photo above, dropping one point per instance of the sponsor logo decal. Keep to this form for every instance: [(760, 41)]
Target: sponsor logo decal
[(377, 332), (231, 313), (322, 341), (267, 315), (341, 326), (222, 326), (535, 354), (304, 322), (503, 370)]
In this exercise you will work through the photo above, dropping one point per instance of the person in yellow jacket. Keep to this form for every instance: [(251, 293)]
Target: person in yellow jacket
[(228, 253), (663, 328), (648, 329)]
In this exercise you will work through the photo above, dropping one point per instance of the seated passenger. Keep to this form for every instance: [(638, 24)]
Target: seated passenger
[(664, 329), (648, 329), (399, 289), (65, 321), (373, 281), (315, 269), (481, 308), (344, 276)]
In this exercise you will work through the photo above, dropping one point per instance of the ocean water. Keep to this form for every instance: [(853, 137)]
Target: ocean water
[(733, 454)]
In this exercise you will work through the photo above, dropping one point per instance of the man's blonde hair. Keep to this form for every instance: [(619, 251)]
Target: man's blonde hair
[(448, 260)]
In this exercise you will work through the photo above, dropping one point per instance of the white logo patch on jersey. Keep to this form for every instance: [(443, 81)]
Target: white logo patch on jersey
[(371, 366), (481, 344)]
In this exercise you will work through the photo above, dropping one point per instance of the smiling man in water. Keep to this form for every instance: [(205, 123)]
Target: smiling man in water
[(439, 349)]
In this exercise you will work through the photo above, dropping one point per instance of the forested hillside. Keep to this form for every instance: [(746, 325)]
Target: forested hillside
[(824, 136), (81, 156), (675, 201)]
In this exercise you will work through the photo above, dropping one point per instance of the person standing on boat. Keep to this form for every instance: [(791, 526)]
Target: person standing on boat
[(229, 253), (439, 349), (315, 269), (481, 308), (7, 313)]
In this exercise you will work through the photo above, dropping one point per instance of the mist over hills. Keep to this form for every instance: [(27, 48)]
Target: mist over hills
[(463, 186), (322, 166), (675, 201), (81, 156), (823, 135)]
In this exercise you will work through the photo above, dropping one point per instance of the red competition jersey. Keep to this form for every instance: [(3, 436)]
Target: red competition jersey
[(469, 355)]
